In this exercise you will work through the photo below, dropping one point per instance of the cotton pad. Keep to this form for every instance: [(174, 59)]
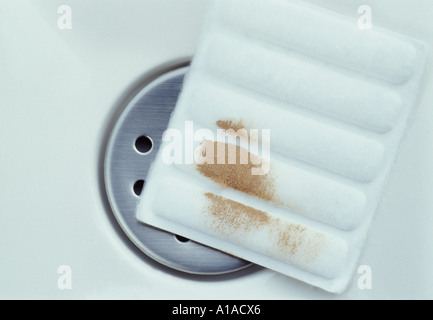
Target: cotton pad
[(281, 142)]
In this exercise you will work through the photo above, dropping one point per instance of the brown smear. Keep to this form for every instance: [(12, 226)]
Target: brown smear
[(237, 175), (233, 128), (234, 215), (291, 237), (235, 220), (230, 125)]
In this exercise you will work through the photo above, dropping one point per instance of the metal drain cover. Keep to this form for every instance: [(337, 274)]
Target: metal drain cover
[(132, 147)]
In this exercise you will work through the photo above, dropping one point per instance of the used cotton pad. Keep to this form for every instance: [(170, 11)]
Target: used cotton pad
[(286, 129)]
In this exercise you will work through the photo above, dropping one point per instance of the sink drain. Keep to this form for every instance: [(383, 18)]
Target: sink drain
[(132, 147)]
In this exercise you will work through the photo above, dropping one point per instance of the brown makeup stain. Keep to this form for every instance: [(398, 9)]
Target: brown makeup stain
[(297, 244), (230, 125), (291, 242), (235, 172), (235, 128), (291, 238), (234, 216), (237, 222)]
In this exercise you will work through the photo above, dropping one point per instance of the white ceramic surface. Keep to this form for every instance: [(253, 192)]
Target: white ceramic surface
[(59, 93)]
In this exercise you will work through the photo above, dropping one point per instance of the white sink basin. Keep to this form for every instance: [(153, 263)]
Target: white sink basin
[(61, 91)]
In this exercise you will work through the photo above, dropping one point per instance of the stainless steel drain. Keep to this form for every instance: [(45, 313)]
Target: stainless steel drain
[(132, 147)]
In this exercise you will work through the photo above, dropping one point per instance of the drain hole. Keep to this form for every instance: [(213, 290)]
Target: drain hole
[(144, 144), (181, 239), (138, 187)]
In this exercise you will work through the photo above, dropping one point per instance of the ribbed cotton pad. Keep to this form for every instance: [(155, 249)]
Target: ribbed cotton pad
[(330, 102)]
